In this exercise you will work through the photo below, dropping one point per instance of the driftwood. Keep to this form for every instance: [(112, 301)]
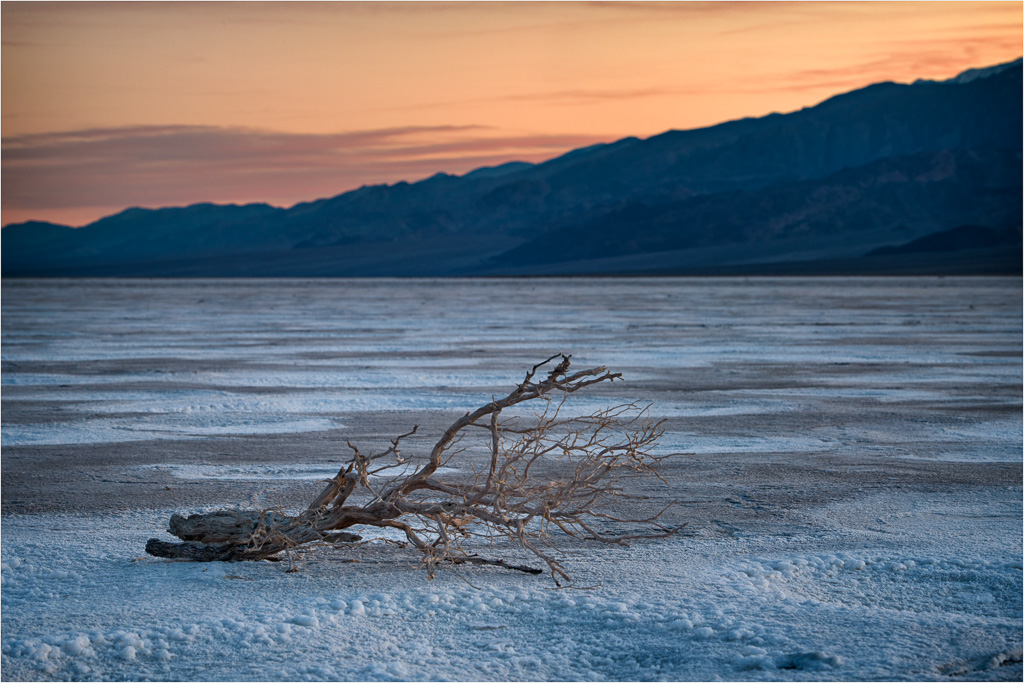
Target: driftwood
[(535, 478), (224, 536)]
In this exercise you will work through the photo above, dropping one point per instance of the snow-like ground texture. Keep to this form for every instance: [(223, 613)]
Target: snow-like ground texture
[(79, 603), (882, 584)]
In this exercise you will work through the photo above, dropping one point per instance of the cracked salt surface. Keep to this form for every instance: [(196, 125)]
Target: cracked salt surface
[(681, 609), (155, 415), (852, 513)]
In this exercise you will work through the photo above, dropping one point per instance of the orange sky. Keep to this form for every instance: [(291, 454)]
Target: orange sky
[(109, 105)]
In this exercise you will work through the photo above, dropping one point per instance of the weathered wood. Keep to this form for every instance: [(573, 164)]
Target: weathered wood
[(220, 526), (227, 536)]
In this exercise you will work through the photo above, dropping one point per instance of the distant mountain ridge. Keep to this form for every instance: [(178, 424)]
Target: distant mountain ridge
[(880, 166)]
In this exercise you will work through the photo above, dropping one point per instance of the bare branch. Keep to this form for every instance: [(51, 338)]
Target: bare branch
[(554, 478)]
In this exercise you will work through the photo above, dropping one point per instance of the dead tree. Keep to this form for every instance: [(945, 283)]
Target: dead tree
[(535, 477)]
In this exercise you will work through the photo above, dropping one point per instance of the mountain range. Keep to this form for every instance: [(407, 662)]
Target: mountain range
[(891, 178)]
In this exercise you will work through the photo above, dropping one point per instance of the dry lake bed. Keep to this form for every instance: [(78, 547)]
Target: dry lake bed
[(850, 470)]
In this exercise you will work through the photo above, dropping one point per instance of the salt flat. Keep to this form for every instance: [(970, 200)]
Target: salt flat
[(853, 483)]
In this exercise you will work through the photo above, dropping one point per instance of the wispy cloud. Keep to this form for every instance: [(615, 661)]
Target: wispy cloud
[(592, 95), (103, 169), (914, 59), (563, 97)]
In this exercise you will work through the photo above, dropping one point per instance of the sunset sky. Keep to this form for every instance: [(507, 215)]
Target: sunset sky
[(111, 105)]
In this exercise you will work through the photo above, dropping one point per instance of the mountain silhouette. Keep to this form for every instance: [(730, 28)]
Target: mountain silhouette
[(819, 188)]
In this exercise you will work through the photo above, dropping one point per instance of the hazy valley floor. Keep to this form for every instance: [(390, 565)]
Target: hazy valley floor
[(853, 483)]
